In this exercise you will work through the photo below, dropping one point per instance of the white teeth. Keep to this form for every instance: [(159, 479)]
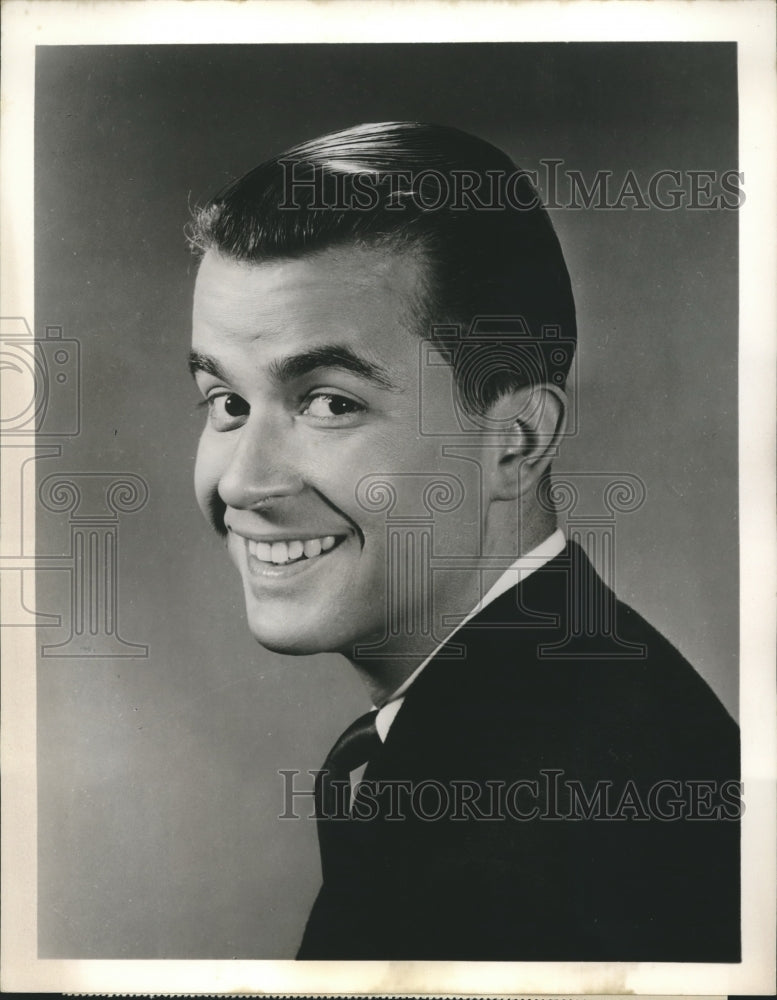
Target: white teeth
[(312, 547), (280, 553), (295, 550)]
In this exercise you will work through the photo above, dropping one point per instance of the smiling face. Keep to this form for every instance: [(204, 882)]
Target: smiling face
[(310, 370)]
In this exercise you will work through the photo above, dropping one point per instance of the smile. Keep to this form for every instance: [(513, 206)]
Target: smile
[(292, 550)]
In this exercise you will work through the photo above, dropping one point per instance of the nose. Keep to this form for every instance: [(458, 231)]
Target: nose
[(261, 466)]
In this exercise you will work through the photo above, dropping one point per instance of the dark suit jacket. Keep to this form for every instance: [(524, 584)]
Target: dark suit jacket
[(562, 685)]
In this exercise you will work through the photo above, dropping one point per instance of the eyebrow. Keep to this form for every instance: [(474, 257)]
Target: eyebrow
[(203, 363), (294, 366)]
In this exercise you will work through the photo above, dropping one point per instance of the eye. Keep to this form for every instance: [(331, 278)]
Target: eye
[(329, 406), (227, 410)]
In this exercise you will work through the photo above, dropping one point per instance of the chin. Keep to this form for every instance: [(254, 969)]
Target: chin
[(310, 641), (289, 646), (293, 642)]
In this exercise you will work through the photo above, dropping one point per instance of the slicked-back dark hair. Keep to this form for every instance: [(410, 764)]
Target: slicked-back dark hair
[(494, 266)]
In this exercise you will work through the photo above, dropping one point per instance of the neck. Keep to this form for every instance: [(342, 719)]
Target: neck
[(392, 659)]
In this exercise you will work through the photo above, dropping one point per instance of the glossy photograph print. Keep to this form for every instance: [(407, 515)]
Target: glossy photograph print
[(383, 444)]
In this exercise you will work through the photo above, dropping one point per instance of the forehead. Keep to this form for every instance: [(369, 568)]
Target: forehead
[(351, 293)]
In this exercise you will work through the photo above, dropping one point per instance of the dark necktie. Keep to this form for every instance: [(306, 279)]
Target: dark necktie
[(333, 784)]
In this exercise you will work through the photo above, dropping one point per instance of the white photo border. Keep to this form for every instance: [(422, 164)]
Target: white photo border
[(749, 23)]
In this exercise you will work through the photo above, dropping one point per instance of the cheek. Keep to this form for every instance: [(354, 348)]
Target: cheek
[(207, 472), (335, 470)]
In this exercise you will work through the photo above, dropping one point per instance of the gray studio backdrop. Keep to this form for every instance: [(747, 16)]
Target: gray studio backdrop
[(157, 765)]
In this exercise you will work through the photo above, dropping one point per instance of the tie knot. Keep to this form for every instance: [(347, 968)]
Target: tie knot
[(354, 747)]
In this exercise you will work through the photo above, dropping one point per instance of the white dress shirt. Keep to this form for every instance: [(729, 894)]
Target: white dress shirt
[(522, 567)]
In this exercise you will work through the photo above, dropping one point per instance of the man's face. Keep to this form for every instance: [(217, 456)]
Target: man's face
[(311, 372)]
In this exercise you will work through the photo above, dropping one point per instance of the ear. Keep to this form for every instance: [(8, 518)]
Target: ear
[(532, 420)]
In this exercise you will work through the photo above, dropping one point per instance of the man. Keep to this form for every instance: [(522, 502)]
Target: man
[(382, 329)]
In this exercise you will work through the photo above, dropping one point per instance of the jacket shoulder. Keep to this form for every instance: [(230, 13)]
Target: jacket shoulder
[(536, 680)]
